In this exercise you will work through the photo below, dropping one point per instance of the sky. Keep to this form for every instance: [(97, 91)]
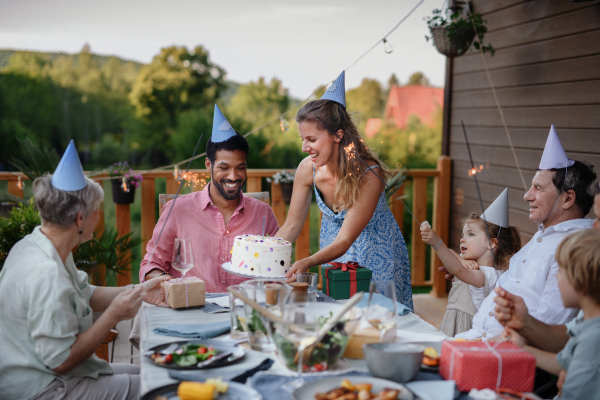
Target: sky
[(303, 43)]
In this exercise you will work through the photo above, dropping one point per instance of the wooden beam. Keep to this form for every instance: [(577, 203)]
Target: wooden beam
[(441, 220), (418, 246), (303, 241), (397, 208), (447, 115), (123, 216), (277, 203), (14, 189), (172, 186), (148, 211), (254, 185)]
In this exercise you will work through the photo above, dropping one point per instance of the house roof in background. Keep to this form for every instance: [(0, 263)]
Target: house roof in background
[(421, 101)]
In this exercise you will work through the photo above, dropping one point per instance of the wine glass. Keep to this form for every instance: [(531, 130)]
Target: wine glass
[(380, 316), (183, 257), (300, 330)]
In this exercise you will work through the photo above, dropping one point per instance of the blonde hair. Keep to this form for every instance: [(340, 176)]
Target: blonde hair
[(331, 116), (579, 255)]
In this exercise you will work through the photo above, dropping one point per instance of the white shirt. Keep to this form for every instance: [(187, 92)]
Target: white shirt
[(44, 306), (478, 294), (532, 276)]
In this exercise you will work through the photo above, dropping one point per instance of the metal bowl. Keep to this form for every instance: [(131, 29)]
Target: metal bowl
[(394, 361)]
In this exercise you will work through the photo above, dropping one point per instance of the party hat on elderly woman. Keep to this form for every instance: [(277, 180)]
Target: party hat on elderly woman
[(69, 174), (222, 129), (554, 154), (497, 212), (337, 90)]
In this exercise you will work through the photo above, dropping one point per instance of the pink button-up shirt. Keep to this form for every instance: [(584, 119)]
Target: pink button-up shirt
[(197, 218)]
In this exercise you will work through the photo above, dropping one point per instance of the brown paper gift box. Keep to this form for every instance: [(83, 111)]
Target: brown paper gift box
[(363, 336), (175, 292)]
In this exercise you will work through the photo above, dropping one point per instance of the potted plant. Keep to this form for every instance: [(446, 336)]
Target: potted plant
[(19, 223), (454, 29), (286, 180), (124, 183)]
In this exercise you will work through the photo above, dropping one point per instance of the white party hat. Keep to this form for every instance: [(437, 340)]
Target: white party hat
[(222, 129), (337, 90), (554, 154), (69, 175), (497, 212)]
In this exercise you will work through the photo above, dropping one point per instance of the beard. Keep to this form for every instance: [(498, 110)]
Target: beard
[(223, 190)]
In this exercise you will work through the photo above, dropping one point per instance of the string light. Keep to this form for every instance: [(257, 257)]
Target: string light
[(284, 125), (387, 47), (20, 183), (476, 170), (125, 185)]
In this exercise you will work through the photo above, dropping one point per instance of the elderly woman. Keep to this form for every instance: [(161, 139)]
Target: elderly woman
[(47, 338)]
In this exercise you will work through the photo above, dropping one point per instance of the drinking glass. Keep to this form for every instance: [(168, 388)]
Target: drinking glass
[(183, 257), (239, 326), (311, 278), (378, 316)]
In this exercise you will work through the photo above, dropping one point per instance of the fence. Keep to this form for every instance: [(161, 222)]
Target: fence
[(418, 178)]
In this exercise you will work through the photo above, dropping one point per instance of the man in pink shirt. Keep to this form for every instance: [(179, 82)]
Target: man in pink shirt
[(213, 217)]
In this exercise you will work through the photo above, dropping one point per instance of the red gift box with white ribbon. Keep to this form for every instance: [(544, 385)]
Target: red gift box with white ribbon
[(487, 365)]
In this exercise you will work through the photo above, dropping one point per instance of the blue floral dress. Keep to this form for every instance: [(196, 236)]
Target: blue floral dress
[(380, 246)]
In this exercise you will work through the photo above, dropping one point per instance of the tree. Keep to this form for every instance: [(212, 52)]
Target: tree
[(418, 78), (393, 81), (366, 99)]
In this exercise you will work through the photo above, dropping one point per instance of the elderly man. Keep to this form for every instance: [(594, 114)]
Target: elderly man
[(213, 217), (558, 202)]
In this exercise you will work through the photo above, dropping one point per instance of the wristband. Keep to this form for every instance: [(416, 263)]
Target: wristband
[(437, 246), (165, 273), (130, 286)]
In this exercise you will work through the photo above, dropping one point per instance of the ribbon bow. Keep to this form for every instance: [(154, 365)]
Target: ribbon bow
[(349, 266)]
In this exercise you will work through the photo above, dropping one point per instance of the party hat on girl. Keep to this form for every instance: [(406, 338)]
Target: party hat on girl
[(554, 154), (337, 90), (69, 175), (497, 212), (222, 129)]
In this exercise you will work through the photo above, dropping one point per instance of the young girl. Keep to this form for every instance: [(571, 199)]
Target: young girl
[(475, 275)]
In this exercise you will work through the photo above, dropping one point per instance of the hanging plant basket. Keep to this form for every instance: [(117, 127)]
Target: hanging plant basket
[(119, 195), (286, 191), (459, 44)]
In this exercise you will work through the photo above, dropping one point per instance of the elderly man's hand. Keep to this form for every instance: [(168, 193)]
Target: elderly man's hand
[(153, 292), (511, 310)]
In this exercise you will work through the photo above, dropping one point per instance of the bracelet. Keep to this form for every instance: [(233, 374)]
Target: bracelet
[(437, 246), (130, 286), (165, 273)]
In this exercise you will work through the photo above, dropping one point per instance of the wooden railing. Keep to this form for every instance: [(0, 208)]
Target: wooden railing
[(418, 178)]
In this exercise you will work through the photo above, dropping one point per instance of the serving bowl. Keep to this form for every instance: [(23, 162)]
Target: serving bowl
[(394, 361), (324, 354)]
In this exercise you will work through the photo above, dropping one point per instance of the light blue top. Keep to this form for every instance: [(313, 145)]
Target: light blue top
[(380, 247), (580, 359), (45, 305)]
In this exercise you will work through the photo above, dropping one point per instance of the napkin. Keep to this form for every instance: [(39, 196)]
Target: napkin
[(194, 331), (432, 390), (383, 301)]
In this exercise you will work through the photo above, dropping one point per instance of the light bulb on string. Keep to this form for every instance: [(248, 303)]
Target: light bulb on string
[(20, 183), (284, 125), (124, 185), (387, 47)]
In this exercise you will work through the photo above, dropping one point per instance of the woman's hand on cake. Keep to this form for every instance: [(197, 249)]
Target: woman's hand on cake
[(153, 291), (297, 267)]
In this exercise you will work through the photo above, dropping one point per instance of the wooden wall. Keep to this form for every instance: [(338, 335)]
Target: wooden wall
[(546, 70)]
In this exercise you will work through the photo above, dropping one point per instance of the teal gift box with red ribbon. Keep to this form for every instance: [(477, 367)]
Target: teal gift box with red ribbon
[(343, 280)]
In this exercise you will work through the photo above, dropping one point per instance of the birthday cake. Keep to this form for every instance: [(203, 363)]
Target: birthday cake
[(261, 255)]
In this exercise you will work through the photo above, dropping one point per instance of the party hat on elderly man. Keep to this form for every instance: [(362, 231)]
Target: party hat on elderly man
[(497, 212), (554, 154), (69, 175), (222, 129), (337, 90)]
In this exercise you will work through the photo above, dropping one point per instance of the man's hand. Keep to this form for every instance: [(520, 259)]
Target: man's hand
[(153, 274), (429, 236), (125, 305), (153, 292), (513, 337), (511, 310), (448, 276)]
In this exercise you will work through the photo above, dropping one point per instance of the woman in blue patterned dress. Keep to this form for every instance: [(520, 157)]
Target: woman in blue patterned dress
[(357, 224)]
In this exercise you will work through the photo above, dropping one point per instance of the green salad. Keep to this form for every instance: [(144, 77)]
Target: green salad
[(186, 355)]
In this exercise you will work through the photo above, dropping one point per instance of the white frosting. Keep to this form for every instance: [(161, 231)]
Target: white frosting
[(261, 255)]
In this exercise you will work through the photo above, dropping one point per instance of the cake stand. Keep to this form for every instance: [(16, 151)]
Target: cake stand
[(229, 269)]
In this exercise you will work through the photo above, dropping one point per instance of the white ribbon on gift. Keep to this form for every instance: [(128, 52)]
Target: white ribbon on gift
[(185, 281), (488, 347)]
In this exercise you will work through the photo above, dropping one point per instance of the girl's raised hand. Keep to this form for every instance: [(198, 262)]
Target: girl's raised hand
[(429, 236)]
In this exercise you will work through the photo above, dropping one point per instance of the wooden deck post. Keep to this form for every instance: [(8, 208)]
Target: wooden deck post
[(277, 203), (441, 220), (123, 216), (397, 207), (172, 186), (14, 189), (254, 184), (303, 241), (148, 211), (418, 246), (98, 233)]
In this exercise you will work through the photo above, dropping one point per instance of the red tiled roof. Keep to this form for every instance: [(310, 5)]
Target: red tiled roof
[(373, 125), (421, 101)]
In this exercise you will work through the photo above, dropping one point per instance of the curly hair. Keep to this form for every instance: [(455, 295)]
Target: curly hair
[(332, 116)]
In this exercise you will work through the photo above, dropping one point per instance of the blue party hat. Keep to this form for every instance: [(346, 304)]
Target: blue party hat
[(497, 212), (69, 175), (554, 154), (337, 90), (222, 129)]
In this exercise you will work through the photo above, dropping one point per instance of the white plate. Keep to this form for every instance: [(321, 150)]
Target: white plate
[(310, 389), (227, 268)]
